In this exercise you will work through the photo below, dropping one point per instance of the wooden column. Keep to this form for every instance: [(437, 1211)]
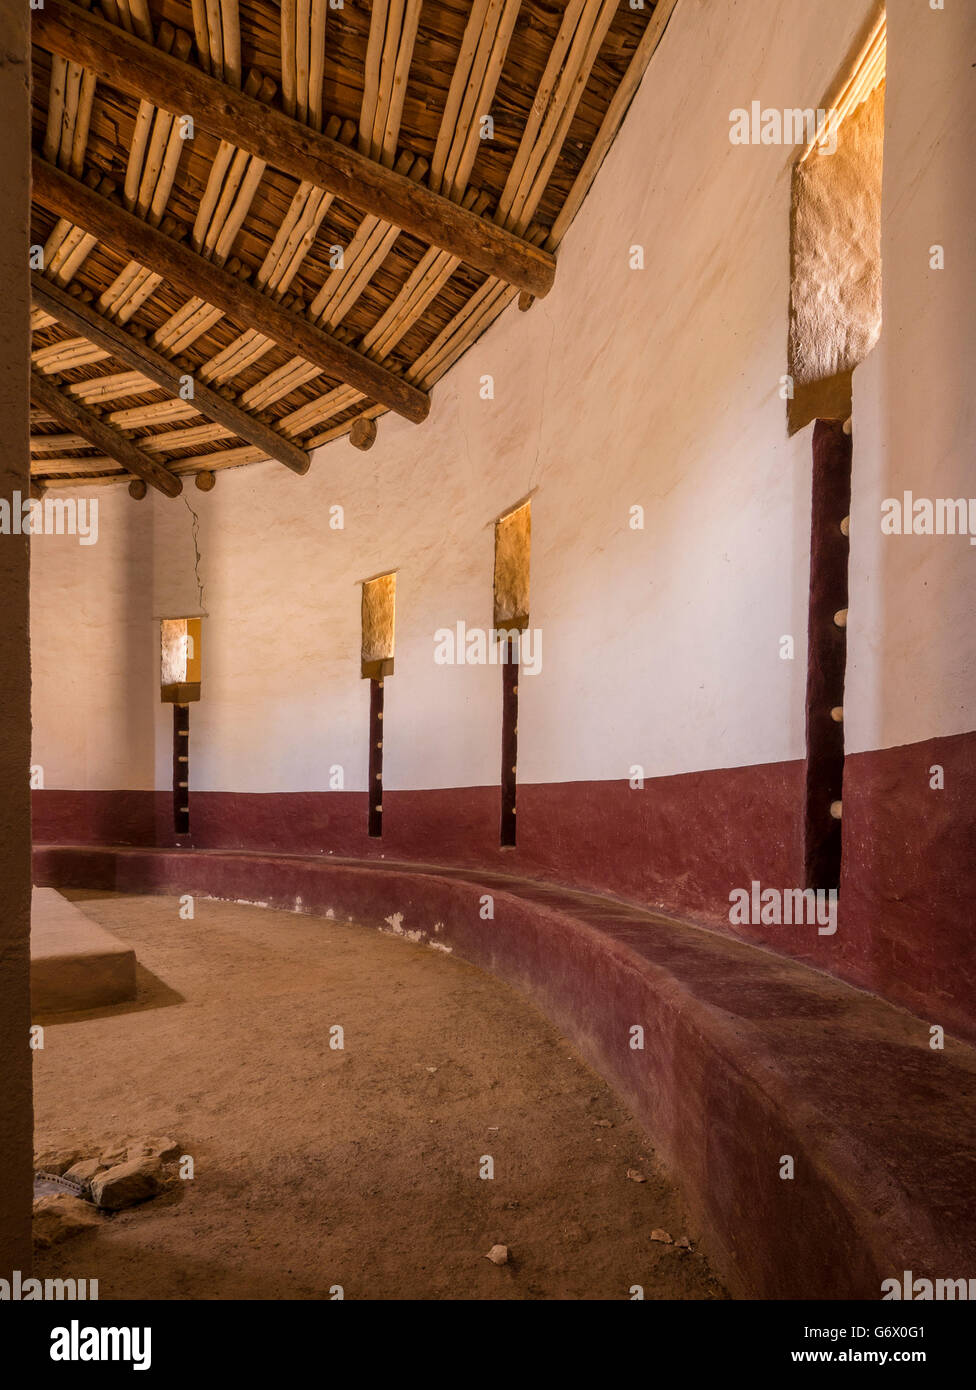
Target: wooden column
[(510, 676), (376, 758), (181, 769), (826, 653), (16, 1117)]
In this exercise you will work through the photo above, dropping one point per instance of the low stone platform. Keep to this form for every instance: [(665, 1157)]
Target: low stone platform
[(75, 964)]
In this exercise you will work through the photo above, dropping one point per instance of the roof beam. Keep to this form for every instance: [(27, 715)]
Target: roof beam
[(84, 319), (143, 71), (74, 416), (248, 307)]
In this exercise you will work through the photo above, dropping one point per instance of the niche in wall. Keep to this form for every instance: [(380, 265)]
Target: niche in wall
[(378, 642), (835, 243)]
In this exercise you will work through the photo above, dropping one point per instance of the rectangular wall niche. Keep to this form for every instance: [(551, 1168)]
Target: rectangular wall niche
[(513, 542), (180, 660), (379, 633), (835, 244), (179, 664)]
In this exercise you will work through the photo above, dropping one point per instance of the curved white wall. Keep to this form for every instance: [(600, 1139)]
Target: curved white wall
[(656, 387)]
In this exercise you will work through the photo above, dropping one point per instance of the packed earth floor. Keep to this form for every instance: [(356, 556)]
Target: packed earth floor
[(317, 1167)]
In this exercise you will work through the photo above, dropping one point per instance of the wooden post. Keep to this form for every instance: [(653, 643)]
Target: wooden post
[(509, 779), (16, 1117), (826, 654), (181, 769), (375, 758)]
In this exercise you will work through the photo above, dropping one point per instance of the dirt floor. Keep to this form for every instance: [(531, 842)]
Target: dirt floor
[(315, 1167)]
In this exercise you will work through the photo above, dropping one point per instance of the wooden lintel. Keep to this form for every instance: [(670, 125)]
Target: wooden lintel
[(70, 412), (246, 306), (145, 72), (84, 319)]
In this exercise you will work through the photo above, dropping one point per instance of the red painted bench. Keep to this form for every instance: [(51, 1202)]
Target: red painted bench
[(747, 1056)]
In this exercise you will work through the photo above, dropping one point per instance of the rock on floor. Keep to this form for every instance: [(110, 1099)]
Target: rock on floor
[(59, 1216), (128, 1183)]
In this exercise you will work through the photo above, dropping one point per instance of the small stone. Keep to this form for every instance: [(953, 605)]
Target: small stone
[(604, 1124), (662, 1236), (498, 1254), (59, 1216), (634, 1176), (162, 1148), (57, 1160), (683, 1244), (127, 1183), (84, 1171)]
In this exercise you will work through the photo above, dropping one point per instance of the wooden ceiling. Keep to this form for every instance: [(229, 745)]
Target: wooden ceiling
[(265, 225)]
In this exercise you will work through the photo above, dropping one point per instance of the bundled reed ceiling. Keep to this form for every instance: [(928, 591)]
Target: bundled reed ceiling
[(386, 179)]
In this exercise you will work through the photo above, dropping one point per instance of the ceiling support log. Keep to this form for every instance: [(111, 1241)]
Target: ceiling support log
[(246, 306), (84, 319), (143, 71), (74, 416)]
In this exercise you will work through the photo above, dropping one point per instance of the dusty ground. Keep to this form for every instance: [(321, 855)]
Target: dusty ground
[(316, 1167)]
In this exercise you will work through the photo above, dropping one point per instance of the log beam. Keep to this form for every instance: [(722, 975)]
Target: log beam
[(74, 416), (138, 355), (246, 306), (362, 435), (142, 71)]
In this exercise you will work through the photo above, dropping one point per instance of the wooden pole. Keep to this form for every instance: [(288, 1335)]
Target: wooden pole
[(181, 769), (138, 355), (74, 416), (142, 71), (375, 817), (218, 287), (362, 435), (509, 777)]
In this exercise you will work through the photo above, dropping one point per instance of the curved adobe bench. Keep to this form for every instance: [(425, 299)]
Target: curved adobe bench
[(747, 1056)]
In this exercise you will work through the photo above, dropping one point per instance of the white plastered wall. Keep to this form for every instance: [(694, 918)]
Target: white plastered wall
[(656, 388), (911, 637)]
